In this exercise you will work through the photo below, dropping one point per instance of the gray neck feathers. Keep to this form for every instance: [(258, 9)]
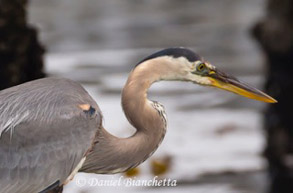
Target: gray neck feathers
[(114, 155)]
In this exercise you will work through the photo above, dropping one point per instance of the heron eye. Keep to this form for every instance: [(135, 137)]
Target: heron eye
[(201, 67)]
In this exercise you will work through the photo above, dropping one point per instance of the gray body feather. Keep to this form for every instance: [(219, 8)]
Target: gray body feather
[(44, 134)]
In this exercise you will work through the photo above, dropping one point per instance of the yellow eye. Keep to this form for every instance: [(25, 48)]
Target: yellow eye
[(201, 67)]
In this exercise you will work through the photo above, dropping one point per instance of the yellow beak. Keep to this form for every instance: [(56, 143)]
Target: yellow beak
[(223, 81)]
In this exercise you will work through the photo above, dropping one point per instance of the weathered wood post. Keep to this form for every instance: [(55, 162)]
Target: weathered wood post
[(275, 35), (20, 51)]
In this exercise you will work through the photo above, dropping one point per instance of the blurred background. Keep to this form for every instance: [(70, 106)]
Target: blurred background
[(216, 142)]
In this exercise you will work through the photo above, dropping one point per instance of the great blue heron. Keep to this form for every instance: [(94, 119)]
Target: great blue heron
[(51, 128)]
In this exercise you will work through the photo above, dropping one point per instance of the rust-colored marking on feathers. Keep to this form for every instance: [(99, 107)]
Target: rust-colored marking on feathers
[(85, 107)]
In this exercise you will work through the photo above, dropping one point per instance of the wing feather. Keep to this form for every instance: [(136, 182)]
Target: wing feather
[(43, 133)]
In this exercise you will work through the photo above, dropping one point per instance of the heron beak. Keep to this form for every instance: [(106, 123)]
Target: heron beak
[(221, 80)]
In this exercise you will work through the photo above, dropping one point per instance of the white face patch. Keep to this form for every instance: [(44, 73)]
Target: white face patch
[(197, 63), (201, 80), (199, 72), (189, 67), (210, 66), (170, 68)]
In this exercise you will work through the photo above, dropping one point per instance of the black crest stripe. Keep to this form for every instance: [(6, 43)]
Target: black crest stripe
[(175, 53)]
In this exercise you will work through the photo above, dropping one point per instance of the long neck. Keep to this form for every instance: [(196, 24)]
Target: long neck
[(112, 154)]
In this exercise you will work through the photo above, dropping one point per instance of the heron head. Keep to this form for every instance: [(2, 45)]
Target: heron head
[(202, 72), (186, 65)]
